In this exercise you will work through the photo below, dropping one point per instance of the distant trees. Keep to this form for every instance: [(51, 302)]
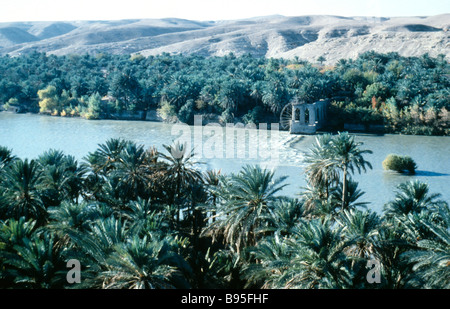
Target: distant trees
[(94, 107), (53, 102), (126, 89), (404, 94), (49, 100), (321, 59)]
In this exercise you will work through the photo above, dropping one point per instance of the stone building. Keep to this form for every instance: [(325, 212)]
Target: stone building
[(307, 118)]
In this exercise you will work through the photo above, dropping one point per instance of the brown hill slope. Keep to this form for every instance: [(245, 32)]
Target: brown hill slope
[(306, 37)]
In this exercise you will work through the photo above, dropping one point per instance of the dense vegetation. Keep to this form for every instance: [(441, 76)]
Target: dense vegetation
[(401, 164), (138, 218), (407, 95)]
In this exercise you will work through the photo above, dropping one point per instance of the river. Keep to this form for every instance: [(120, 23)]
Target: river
[(29, 135)]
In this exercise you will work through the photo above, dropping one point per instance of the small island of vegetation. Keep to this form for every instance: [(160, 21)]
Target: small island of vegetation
[(400, 164)]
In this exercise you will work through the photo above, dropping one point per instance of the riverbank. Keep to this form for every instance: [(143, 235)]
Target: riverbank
[(336, 125)]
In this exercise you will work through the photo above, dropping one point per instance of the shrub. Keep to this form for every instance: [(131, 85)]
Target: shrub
[(253, 116), (186, 112), (356, 114), (166, 111), (399, 164)]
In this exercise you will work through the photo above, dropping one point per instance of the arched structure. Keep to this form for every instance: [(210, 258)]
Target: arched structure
[(315, 112)]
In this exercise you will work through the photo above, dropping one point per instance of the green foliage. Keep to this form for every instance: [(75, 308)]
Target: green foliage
[(360, 115), (376, 91), (253, 116), (321, 59), (245, 87), (49, 99), (166, 111), (21, 191), (6, 157), (331, 159), (11, 102), (312, 258), (245, 204), (399, 164), (94, 108), (138, 218), (412, 197), (140, 263), (186, 113), (431, 259)]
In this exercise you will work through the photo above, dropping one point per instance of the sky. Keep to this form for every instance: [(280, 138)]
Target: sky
[(64, 10)]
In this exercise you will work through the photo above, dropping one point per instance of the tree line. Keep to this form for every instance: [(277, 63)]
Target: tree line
[(404, 94), (149, 218)]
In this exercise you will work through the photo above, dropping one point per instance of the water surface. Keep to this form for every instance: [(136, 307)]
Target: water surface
[(30, 135)]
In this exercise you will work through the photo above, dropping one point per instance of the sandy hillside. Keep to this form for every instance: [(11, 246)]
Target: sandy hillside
[(305, 37)]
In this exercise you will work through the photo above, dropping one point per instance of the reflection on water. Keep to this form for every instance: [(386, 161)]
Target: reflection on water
[(428, 173), (31, 135)]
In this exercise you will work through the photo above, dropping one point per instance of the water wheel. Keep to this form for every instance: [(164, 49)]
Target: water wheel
[(286, 117)]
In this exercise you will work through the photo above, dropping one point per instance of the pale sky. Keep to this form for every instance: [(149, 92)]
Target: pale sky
[(62, 10)]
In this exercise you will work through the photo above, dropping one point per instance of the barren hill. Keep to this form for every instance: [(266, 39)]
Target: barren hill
[(305, 37)]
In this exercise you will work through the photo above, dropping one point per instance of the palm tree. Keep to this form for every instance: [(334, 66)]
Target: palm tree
[(320, 170), (142, 217), (13, 232), (53, 185), (140, 263), (197, 200), (362, 229), (6, 157), (122, 171), (95, 246), (388, 248), (246, 203), (36, 263), (52, 157), (412, 227), (103, 235), (287, 214), (71, 218), (315, 204), (104, 158), (75, 175), (346, 157), (180, 170), (321, 261), (311, 258), (62, 177), (431, 259), (353, 194), (411, 197), (21, 190), (274, 255), (212, 180), (158, 180), (132, 169)]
